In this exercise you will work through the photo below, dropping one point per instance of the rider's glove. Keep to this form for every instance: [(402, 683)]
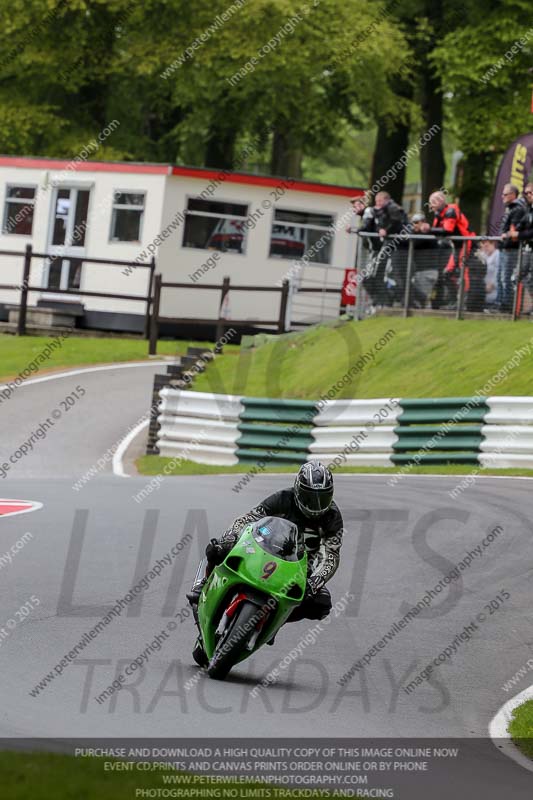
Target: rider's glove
[(214, 552), (314, 584)]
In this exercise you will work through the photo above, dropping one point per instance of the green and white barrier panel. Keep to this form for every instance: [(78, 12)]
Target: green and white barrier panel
[(227, 430)]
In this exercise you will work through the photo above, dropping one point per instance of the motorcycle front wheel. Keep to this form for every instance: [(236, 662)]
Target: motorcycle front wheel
[(232, 642)]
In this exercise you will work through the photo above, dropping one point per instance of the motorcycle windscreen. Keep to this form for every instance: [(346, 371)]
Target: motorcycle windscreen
[(279, 537)]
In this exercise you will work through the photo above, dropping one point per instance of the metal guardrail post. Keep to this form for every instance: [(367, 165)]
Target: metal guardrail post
[(23, 307), (160, 381), (358, 305), (154, 320), (283, 305), (290, 297), (149, 298), (221, 321), (461, 290), (518, 290), (408, 278)]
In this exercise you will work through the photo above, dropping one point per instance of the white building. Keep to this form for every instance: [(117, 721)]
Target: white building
[(200, 225)]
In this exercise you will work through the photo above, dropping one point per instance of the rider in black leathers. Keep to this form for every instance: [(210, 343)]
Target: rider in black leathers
[(309, 504)]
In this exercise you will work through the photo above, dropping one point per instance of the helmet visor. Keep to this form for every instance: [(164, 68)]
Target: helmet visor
[(314, 501)]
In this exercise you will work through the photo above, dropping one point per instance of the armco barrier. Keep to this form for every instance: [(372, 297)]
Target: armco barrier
[(347, 413), (379, 440), (435, 409), (227, 430), (201, 404), (517, 409), (199, 426)]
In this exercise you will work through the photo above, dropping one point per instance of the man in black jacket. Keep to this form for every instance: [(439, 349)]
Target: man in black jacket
[(515, 211), (523, 233), (425, 263), (391, 221), (390, 217), (309, 504), (371, 247), (367, 224)]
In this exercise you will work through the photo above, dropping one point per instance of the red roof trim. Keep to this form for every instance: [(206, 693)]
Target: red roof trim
[(205, 175), (264, 180), (82, 166)]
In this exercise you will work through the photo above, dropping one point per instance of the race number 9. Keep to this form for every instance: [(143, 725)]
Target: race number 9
[(269, 569)]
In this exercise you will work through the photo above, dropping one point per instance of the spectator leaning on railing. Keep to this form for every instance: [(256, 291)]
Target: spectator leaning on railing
[(489, 254), (391, 221), (515, 211), (525, 228), (425, 263), (523, 234), (477, 275), (449, 221), (367, 224)]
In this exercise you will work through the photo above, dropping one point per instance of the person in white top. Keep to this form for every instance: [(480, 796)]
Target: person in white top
[(490, 255)]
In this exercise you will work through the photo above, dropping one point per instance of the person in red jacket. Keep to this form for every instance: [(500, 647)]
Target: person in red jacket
[(449, 221)]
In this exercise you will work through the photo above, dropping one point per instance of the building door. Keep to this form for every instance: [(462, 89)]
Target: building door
[(68, 232)]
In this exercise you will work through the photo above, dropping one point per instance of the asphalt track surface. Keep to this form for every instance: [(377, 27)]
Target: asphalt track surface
[(82, 429), (91, 546)]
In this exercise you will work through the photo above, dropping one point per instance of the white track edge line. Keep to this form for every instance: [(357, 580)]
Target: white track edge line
[(118, 456), (498, 729), (348, 475), (118, 468), (436, 475), (81, 370)]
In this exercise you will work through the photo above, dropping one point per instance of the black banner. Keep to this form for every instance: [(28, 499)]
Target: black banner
[(409, 769)]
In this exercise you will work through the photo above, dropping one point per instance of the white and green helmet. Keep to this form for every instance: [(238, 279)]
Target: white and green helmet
[(313, 489)]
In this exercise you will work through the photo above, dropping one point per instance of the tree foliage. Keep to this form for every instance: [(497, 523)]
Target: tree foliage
[(488, 95), (191, 82), (98, 60)]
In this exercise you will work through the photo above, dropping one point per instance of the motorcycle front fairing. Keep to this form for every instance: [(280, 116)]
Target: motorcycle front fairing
[(266, 567)]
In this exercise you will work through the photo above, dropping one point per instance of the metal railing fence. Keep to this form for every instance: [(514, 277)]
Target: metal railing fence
[(455, 275)]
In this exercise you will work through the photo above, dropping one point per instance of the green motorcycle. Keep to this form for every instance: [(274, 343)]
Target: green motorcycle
[(250, 595)]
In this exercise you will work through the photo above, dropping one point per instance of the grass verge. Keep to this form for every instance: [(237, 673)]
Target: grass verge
[(16, 352), (422, 357), (521, 728), (47, 776), (157, 465)]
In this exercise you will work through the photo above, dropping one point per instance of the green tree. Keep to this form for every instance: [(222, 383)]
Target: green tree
[(418, 94), (488, 93), (65, 74), (298, 93)]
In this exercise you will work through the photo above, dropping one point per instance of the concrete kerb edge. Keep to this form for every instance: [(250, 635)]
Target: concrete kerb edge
[(498, 729)]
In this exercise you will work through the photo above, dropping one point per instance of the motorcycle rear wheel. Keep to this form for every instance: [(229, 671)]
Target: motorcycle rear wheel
[(232, 642)]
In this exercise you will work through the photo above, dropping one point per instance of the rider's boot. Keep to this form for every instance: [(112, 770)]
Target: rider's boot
[(194, 595), (201, 576)]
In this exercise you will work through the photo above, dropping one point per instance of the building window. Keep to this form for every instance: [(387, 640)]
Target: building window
[(299, 233), (213, 225), (126, 221), (18, 213)]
